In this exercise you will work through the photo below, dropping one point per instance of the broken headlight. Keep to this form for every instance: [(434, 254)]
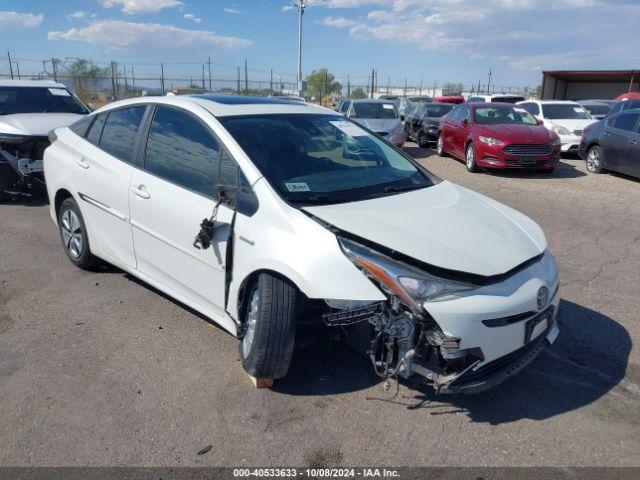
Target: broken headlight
[(412, 285)]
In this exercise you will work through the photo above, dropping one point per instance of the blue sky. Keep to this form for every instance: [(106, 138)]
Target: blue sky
[(432, 40)]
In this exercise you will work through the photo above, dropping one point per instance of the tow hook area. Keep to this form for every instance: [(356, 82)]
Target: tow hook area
[(405, 344)]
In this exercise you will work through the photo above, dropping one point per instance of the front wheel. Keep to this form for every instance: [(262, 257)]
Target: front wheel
[(440, 148), (422, 140), (594, 159), (269, 327), (472, 166)]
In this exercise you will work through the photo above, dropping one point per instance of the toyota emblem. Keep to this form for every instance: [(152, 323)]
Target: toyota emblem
[(543, 296)]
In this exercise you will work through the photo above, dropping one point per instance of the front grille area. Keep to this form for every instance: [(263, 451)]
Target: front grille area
[(525, 163), (528, 149), (31, 147), (577, 132)]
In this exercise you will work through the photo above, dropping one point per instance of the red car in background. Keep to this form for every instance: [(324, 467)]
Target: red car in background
[(497, 135), (450, 99)]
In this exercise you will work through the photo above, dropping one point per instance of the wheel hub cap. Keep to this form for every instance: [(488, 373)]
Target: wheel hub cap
[(593, 160), (71, 233), (250, 324)]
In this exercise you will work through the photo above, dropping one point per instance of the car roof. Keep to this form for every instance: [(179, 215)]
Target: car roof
[(227, 105), (545, 102), (488, 104), (373, 100), (31, 83)]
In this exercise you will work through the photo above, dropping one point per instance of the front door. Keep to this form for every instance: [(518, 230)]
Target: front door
[(169, 199), (618, 139), (102, 173)]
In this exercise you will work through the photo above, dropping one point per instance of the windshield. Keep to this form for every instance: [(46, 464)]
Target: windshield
[(437, 110), (38, 100), (503, 116), (598, 109), (311, 158), (374, 110), (559, 111)]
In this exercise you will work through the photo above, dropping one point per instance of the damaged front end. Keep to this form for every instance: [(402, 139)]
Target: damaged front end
[(403, 338), (21, 165)]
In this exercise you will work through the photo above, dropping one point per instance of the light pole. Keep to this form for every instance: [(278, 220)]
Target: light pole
[(301, 4)]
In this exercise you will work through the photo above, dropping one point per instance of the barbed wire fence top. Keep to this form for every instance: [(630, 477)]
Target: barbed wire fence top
[(101, 82)]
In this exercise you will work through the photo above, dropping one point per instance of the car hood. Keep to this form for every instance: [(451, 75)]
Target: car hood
[(572, 125), (432, 120), (379, 124), (517, 133), (35, 123), (446, 226)]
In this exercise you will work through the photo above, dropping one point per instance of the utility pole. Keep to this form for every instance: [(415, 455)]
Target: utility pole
[(209, 64), (162, 77), (55, 70), (420, 86), (271, 80), (203, 87), (133, 81), (489, 82), (10, 64), (124, 74), (238, 80), (373, 81), (18, 68), (246, 77), (405, 87), (348, 86), (301, 4), (114, 84)]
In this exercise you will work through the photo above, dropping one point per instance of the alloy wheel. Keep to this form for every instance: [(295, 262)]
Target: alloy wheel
[(471, 158), (71, 233), (440, 145), (250, 323), (593, 160)]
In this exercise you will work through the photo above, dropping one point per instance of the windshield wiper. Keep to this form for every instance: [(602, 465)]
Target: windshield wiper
[(403, 188), (321, 199)]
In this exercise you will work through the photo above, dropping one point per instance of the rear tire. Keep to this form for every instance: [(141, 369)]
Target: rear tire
[(422, 140), (594, 159), (470, 159), (73, 233), (269, 327)]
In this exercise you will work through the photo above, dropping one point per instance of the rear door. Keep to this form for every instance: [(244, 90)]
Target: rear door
[(170, 197), (618, 139), (101, 175), (631, 161), (461, 132)]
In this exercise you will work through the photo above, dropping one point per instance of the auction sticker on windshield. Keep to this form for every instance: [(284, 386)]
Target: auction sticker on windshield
[(349, 128), (61, 92), (297, 187)]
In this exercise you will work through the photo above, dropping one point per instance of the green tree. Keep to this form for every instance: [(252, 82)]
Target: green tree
[(322, 83), (539, 91), (358, 93), (85, 74)]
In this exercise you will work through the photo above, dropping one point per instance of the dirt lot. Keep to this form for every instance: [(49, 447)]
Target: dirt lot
[(99, 369)]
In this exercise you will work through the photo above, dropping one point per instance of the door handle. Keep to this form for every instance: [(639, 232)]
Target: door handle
[(633, 141), (82, 163), (605, 134), (141, 191)]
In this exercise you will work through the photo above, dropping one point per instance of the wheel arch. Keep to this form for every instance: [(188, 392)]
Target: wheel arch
[(61, 195)]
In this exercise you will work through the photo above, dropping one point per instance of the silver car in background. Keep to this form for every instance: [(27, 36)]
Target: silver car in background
[(381, 117)]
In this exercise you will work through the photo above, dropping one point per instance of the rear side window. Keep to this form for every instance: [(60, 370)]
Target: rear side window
[(182, 150), (532, 108), (121, 131), (81, 126), (626, 121), (96, 129)]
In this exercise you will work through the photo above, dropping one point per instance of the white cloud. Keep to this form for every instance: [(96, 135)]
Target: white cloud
[(526, 34), (233, 10), (337, 22), (192, 17), (286, 8), (148, 37), (19, 20), (77, 15), (133, 7)]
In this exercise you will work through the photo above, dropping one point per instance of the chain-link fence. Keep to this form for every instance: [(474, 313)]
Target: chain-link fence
[(102, 82)]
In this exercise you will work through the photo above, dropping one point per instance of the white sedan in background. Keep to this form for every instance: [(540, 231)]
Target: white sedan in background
[(257, 212), (567, 119)]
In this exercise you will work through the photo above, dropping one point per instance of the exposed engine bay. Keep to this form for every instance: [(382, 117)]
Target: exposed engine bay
[(21, 166)]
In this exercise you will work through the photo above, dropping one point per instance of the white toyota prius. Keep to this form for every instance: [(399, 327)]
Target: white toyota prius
[(263, 213)]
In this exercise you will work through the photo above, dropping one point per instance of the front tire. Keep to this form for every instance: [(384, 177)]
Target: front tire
[(269, 327), (470, 159), (422, 140), (594, 159), (440, 147), (73, 233)]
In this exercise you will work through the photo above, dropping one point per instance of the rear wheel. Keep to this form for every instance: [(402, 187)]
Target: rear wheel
[(422, 140), (73, 233), (470, 157), (594, 159), (269, 327)]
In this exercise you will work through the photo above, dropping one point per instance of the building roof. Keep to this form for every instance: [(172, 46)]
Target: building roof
[(594, 75)]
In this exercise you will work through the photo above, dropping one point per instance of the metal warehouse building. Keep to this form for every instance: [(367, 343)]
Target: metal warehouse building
[(588, 84)]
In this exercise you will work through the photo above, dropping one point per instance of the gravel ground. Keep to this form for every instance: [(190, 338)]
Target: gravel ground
[(100, 369)]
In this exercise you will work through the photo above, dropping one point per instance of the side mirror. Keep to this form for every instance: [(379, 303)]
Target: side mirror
[(402, 117), (465, 122), (227, 195)]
